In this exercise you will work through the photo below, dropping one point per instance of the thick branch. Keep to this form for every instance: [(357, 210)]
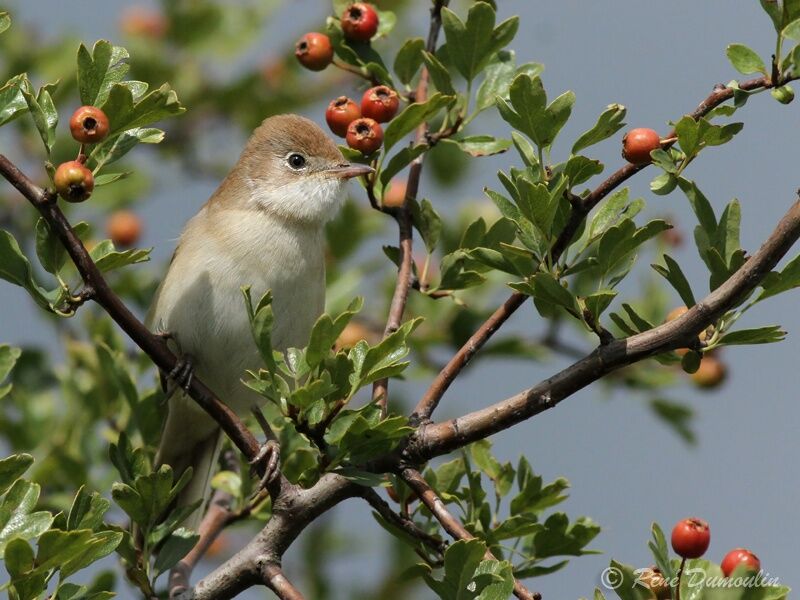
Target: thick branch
[(451, 524), (291, 514), (430, 400), (155, 347), (440, 438), (380, 388)]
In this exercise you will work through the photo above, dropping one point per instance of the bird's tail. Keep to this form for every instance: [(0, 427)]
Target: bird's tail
[(185, 443)]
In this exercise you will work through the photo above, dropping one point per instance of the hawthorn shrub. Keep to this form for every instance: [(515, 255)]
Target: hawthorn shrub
[(560, 232)]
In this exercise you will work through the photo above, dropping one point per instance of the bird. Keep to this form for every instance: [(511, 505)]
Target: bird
[(263, 227)]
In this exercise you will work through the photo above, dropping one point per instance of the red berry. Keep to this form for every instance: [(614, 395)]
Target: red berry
[(74, 182), (124, 228), (691, 537), (739, 556), (359, 22), (314, 51), (380, 103), (341, 112), (89, 125), (364, 135), (637, 145)]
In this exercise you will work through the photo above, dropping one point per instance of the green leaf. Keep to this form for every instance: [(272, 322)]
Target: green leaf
[(175, 548), (480, 145), (99, 545), (400, 161), (673, 273), (87, 510), (12, 102), (51, 252), (530, 114), (114, 148), (17, 519), (414, 115), (428, 222), (16, 268), (124, 112), (547, 288), (261, 321), (786, 279), (5, 21), (614, 210), (461, 559), (326, 330), (471, 44), (701, 206), (745, 60), (727, 236), (598, 302), (497, 80), (43, 111), (580, 169), (677, 416), (792, 31), (663, 184), (759, 335), (562, 538), (8, 358), (658, 546), (108, 259), (409, 59), (364, 440), (13, 467), (609, 122), (439, 74), (99, 70)]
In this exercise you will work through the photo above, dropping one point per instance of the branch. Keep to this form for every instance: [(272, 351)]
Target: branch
[(380, 388), (440, 438), (218, 516), (277, 582), (451, 524), (401, 522), (580, 209), (256, 563)]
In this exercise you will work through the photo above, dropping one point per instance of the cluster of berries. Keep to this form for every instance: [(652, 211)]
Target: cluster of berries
[(690, 539), (358, 124), (74, 182)]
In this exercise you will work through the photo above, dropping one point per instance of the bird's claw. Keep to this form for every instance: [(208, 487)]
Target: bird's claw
[(269, 455)]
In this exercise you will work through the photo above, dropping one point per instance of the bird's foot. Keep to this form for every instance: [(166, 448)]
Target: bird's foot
[(269, 455), (183, 372)]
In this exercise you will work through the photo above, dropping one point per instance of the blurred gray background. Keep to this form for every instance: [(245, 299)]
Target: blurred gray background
[(627, 470)]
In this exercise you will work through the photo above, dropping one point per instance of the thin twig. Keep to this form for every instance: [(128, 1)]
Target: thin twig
[(451, 524), (380, 388), (275, 580), (402, 522), (216, 519), (430, 400)]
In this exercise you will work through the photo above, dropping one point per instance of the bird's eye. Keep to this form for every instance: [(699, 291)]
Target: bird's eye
[(296, 161)]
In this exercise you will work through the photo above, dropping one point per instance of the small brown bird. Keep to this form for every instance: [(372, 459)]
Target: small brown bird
[(264, 228)]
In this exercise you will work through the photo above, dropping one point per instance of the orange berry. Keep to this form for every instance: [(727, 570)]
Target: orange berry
[(124, 228)]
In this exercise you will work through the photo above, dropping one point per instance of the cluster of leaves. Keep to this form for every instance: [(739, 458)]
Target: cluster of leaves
[(526, 541), (66, 542), (313, 387)]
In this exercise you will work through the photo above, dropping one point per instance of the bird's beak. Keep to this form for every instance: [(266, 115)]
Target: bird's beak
[(348, 170)]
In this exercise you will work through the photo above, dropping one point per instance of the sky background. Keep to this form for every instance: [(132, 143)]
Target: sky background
[(659, 59)]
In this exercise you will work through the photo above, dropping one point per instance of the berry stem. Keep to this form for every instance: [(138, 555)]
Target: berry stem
[(81, 158), (360, 72), (680, 574)]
